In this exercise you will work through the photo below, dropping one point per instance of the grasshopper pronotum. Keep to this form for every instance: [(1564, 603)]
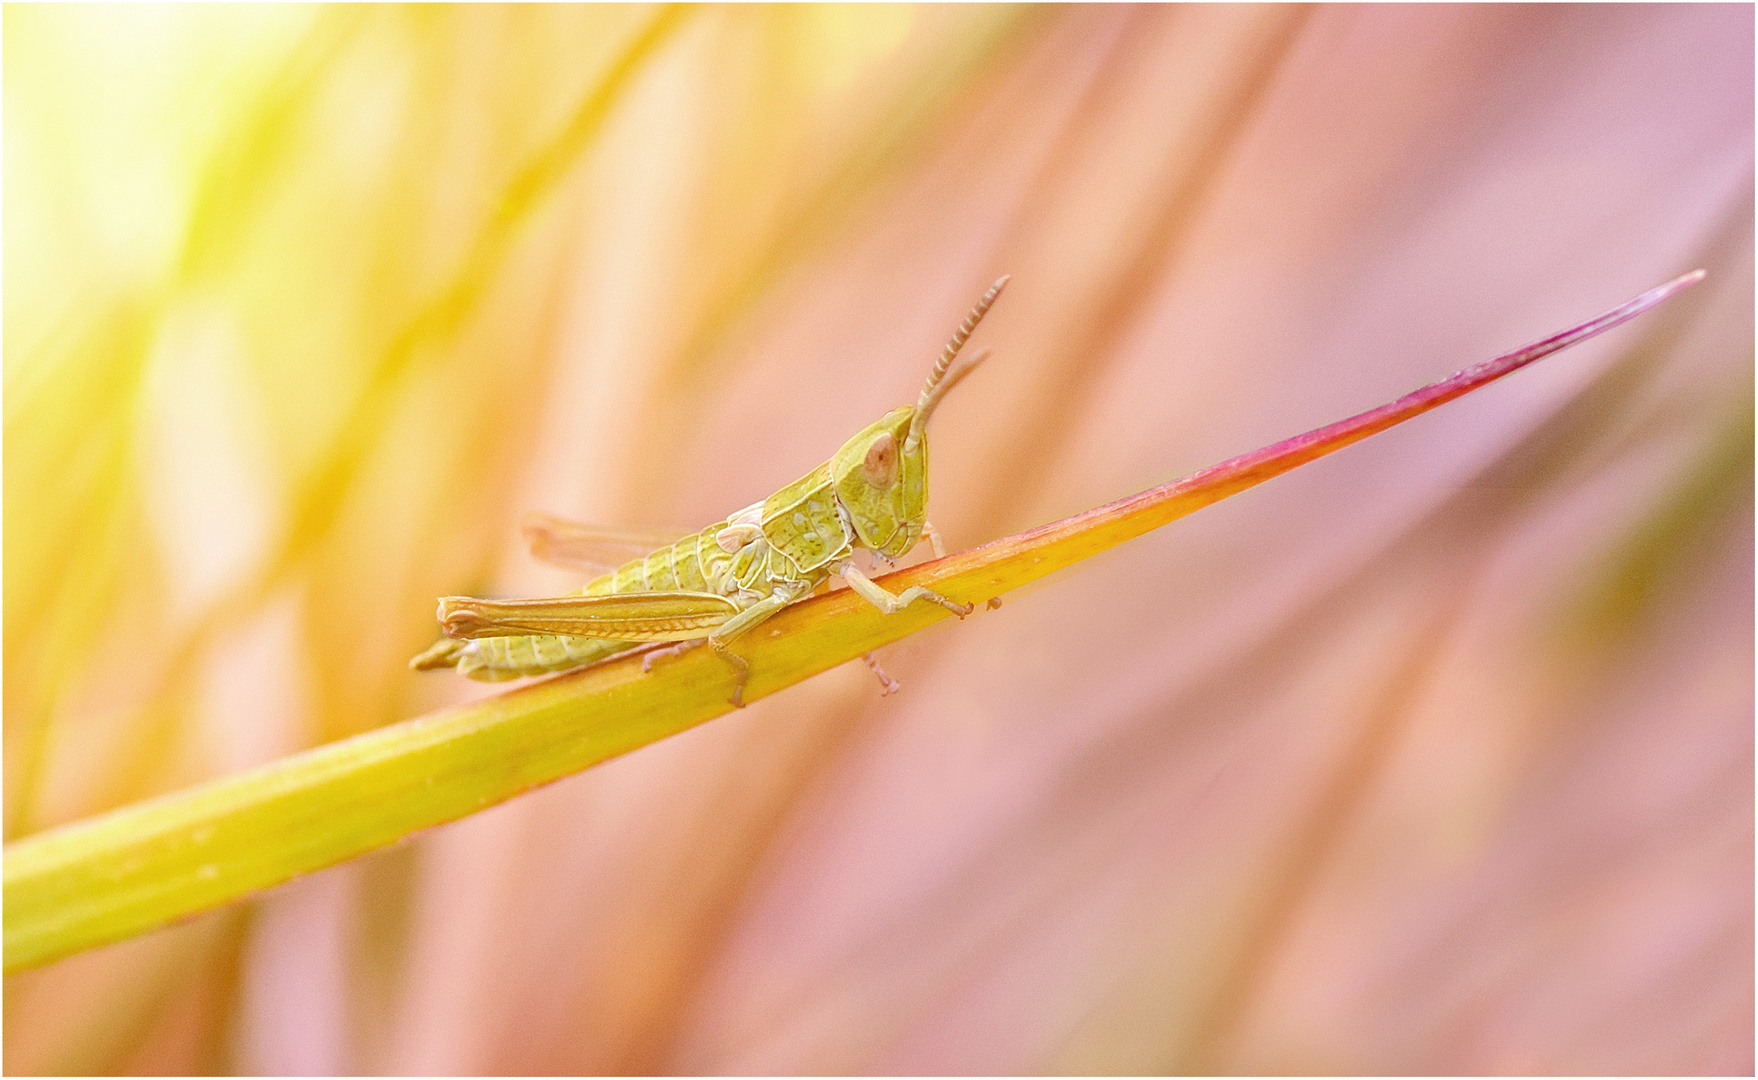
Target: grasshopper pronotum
[(716, 584)]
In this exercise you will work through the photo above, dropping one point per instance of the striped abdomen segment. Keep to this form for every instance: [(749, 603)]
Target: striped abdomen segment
[(678, 567), (695, 563), (496, 659)]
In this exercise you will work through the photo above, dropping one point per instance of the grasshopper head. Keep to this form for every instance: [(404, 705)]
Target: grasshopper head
[(881, 475), (884, 491)]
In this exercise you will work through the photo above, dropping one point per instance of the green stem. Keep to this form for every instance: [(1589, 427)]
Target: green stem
[(149, 864)]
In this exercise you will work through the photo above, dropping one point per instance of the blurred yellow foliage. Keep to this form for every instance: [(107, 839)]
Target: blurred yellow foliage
[(1436, 757)]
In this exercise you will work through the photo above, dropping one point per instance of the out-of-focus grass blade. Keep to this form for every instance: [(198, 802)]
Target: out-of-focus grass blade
[(145, 865)]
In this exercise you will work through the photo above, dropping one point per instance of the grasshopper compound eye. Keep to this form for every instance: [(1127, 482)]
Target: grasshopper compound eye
[(880, 467)]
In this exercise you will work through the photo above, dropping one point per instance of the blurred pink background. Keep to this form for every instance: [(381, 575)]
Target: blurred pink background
[(1434, 756)]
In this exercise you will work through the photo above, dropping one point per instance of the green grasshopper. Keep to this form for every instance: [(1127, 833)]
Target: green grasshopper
[(720, 582)]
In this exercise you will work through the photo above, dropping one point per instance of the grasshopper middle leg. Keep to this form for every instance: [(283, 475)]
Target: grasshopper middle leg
[(744, 621)]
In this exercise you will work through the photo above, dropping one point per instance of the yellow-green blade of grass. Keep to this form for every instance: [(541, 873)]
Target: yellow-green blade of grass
[(145, 865)]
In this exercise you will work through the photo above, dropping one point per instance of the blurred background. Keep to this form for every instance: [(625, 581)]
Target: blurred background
[(1435, 756)]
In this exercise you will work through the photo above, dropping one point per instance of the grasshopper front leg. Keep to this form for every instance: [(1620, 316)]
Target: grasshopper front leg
[(932, 536), (889, 603)]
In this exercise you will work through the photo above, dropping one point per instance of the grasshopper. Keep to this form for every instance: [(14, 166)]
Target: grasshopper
[(722, 581)]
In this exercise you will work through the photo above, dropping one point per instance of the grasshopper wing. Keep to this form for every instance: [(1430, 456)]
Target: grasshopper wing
[(594, 549), (645, 616)]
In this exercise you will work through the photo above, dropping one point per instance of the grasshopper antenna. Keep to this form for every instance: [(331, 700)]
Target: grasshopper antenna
[(938, 383)]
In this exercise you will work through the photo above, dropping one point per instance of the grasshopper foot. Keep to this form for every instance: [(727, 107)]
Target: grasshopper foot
[(961, 610), (887, 684), (740, 666), (917, 592)]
